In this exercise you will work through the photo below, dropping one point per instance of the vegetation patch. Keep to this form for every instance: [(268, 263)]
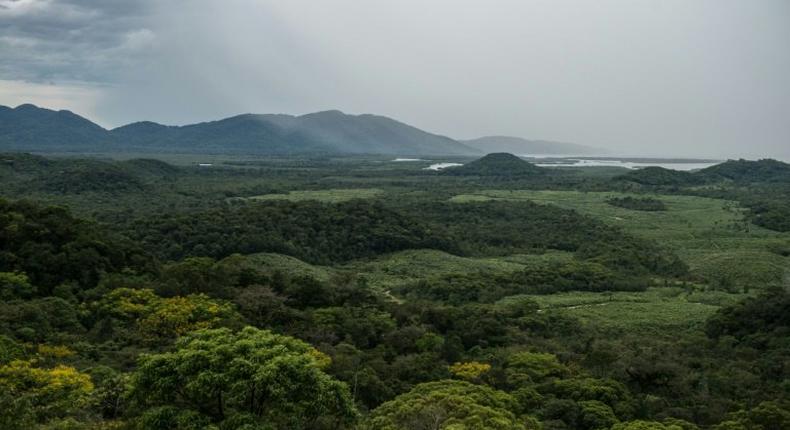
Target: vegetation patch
[(327, 196), (655, 310), (638, 203)]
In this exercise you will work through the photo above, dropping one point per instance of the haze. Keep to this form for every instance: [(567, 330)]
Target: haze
[(654, 78)]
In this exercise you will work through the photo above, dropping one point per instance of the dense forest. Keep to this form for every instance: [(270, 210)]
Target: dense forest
[(355, 294)]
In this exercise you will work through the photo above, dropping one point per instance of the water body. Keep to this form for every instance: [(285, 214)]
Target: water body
[(628, 163), (440, 166), (686, 165)]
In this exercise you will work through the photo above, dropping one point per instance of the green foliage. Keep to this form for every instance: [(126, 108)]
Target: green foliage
[(155, 319), (761, 321), (31, 395), (251, 376), (15, 285), (765, 416), (645, 425), (39, 320), (527, 368), (596, 415), (311, 231), (448, 405), (607, 391), (541, 278), (362, 326), (52, 247), (10, 350)]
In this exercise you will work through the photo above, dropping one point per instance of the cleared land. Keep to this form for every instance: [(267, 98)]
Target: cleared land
[(656, 310)]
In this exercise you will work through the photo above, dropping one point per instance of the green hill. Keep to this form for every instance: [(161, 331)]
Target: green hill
[(737, 171), (658, 176), (745, 171), (499, 164), (75, 176)]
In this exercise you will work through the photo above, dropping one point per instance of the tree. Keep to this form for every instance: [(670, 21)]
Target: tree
[(448, 404), (470, 370), (158, 319), (596, 415), (250, 377), (30, 395), (526, 368), (765, 416), (15, 285)]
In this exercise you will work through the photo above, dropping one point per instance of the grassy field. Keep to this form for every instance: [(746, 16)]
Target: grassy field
[(408, 266), (656, 310), (710, 235), (329, 196)]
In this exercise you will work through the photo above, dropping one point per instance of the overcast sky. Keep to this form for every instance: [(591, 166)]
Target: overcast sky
[(669, 77)]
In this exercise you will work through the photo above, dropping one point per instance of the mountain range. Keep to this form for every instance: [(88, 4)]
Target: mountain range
[(31, 128)]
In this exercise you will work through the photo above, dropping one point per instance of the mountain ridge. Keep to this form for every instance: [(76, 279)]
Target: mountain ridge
[(31, 128)]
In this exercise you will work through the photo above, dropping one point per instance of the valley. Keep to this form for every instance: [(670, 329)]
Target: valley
[(400, 273)]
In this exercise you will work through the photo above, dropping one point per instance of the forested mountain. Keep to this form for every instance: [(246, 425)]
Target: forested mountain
[(521, 146), (497, 164), (30, 128)]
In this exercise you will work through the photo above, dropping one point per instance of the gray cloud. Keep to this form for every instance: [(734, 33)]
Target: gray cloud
[(673, 77), (71, 40)]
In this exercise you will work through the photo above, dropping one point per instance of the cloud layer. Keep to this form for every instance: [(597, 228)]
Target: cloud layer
[(674, 77)]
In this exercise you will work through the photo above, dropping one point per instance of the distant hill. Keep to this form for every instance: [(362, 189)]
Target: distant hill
[(658, 176), (30, 128), (75, 176), (497, 164), (738, 171), (520, 146), (743, 171)]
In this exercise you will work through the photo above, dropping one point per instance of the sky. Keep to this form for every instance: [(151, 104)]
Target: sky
[(703, 78)]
